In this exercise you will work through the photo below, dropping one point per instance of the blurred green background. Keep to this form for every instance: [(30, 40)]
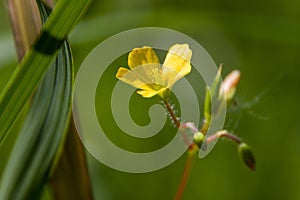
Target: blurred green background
[(261, 39)]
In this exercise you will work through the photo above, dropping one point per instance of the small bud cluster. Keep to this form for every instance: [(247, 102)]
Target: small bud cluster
[(220, 94)]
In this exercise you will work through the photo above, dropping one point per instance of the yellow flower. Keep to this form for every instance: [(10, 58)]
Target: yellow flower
[(149, 76)]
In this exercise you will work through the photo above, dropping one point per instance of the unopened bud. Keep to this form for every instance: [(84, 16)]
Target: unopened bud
[(247, 155), (199, 139), (229, 85)]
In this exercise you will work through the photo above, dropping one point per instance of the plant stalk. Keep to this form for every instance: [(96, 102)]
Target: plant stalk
[(191, 154), (176, 122), (186, 173)]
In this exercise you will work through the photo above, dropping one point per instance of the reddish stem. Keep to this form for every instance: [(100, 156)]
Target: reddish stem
[(186, 174), (224, 134), (173, 116), (191, 153), (176, 122)]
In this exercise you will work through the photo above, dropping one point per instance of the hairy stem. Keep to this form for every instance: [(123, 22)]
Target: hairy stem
[(172, 114), (191, 154), (176, 122)]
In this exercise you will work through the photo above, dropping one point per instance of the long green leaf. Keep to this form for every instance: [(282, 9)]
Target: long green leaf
[(43, 131), (36, 62)]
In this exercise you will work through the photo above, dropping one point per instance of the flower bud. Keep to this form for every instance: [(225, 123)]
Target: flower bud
[(247, 155), (199, 139), (229, 85)]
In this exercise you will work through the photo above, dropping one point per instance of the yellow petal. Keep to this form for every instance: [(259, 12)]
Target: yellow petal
[(149, 73), (147, 93), (121, 72), (129, 77), (177, 63), (142, 56)]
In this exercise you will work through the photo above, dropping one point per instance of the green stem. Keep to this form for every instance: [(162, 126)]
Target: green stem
[(205, 126)]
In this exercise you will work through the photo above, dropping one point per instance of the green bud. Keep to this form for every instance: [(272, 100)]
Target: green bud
[(216, 84), (247, 155), (199, 139)]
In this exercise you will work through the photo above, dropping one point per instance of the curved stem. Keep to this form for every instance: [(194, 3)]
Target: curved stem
[(224, 134)]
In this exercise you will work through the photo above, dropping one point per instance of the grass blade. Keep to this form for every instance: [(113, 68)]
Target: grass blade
[(43, 131), (36, 62)]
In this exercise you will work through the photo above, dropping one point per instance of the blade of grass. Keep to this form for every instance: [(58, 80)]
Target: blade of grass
[(29, 164), (43, 131), (36, 62)]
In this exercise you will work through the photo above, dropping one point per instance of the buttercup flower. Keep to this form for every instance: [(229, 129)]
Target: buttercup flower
[(149, 76)]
